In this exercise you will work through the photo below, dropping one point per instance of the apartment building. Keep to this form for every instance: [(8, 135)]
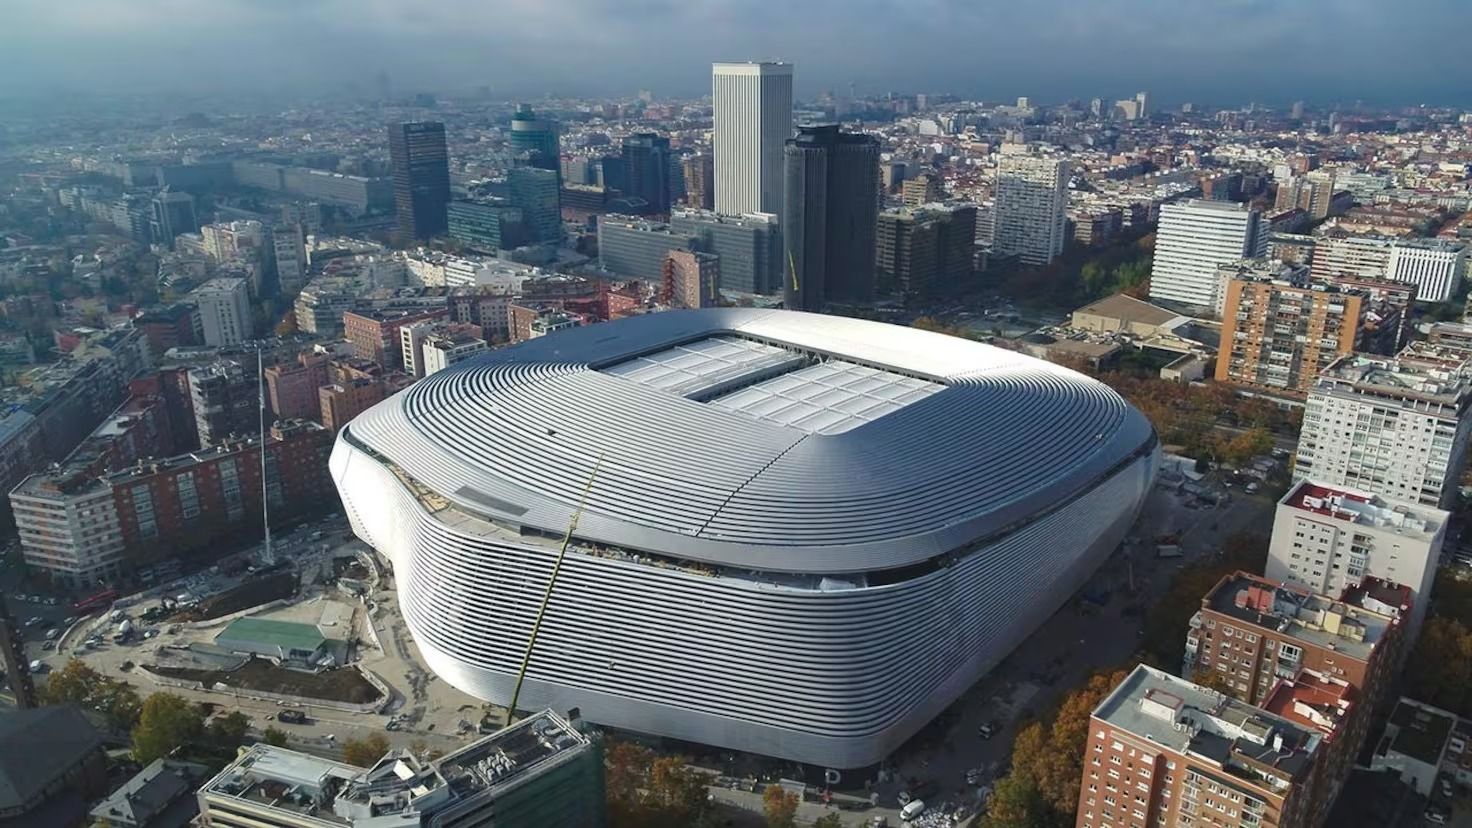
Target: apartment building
[(1165, 753), (1329, 539), (1398, 426)]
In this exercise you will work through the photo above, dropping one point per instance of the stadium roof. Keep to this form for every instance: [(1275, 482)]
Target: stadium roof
[(772, 440)]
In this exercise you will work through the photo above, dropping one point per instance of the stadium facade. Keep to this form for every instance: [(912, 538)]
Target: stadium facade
[(806, 537)]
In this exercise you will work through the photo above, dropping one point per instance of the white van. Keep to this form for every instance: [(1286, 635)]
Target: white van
[(912, 810)]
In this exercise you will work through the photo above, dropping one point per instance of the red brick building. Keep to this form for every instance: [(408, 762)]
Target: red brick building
[(340, 402), (293, 386)]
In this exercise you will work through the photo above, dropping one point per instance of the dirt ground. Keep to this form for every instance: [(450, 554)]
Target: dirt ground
[(344, 685), (249, 594)]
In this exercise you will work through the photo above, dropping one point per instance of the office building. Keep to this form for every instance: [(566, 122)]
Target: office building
[(1031, 206), (636, 248), (421, 168), (1164, 751), (829, 221), (750, 247), (172, 215), (449, 346), (1330, 538), (582, 202), (321, 304), (1142, 100), (921, 251), (753, 121), (647, 170), (1313, 193), (489, 227), (921, 190), (356, 194), (541, 771), (534, 140), (1397, 426), (224, 311), (894, 516), (1436, 266), (700, 181), (1278, 333), (535, 192), (1194, 240), (691, 279)]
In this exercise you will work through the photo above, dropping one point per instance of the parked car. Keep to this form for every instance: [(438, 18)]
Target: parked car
[(292, 717), (987, 730)]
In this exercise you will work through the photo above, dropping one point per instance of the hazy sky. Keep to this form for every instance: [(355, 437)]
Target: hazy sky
[(1210, 51)]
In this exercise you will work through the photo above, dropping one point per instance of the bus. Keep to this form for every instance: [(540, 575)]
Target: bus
[(101, 600)]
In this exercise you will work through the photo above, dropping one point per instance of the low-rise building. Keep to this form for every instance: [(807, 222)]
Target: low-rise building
[(52, 764), (541, 771), (159, 796), (1414, 743)]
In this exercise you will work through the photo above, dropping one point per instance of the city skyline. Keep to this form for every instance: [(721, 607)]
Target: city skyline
[(575, 47)]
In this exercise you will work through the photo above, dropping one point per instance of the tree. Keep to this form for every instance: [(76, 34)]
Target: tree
[(644, 790), (366, 751), (1015, 803), (274, 736), (828, 821), (167, 723), (229, 731), (78, 684), (780, 807)]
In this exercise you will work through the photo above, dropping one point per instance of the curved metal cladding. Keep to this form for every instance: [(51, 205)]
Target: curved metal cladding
[(736, 582)]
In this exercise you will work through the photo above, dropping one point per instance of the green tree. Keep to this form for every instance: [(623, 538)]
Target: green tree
[(779, 806), (274, 736), (229, 731), (1015, 803), (366, 751), (167, 723), (828, 821)]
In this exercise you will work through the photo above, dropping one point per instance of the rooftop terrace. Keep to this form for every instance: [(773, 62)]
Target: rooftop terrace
[(1365, 509), (1315, 619)]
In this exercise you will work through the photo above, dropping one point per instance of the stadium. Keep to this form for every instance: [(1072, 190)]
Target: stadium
[(806, 535)]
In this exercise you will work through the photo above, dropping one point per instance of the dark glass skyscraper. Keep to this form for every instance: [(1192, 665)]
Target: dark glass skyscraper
[(421, 177), (829, 215), (647, 170), (535, 139)]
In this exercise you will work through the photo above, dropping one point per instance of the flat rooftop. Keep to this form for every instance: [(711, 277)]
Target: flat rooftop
[(1313, 701), (1421, 731), (296, 783), (1434, 374), (512, 753), (287, 635), (1190, 719), (1315, 619), (1365, 509)]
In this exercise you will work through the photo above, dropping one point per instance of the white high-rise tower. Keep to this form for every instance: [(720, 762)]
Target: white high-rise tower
[(1031, 205), (753, 120)]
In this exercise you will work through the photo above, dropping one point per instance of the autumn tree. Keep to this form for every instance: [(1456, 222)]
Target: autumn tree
[(366, 751), (779, 806), (642, 789), (1015, 803), (78, 684), (166, 723)]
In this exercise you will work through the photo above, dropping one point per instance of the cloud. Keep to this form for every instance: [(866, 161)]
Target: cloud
[(1204, 50)]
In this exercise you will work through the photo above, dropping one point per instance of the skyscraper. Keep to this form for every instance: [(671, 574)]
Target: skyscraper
[(700, 181), (535, 139), (173, 213), (1142, 101), (829, 217), (753, 119), (1194, 240), (535, 192), (1031, 206), (421, 166), (647, 166)]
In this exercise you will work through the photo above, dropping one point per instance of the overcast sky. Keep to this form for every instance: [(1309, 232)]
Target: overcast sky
[(1208, 51)]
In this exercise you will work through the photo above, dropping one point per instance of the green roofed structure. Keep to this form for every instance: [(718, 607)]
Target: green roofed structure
[(286, 641)]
